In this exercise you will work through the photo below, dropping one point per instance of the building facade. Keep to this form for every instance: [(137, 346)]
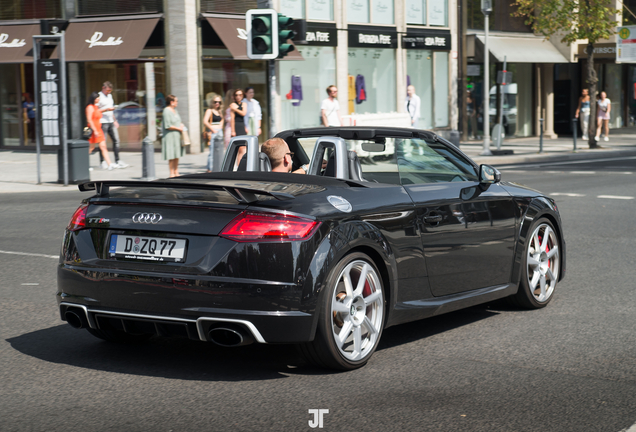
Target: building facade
[(371, 49)]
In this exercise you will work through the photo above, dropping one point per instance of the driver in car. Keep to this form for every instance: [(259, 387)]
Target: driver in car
[(280, 157)]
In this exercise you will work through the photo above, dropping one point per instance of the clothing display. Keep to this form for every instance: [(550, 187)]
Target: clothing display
[(296, 90), (361, 94), (352, 93)]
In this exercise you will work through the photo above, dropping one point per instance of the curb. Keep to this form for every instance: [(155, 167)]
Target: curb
[(535, 158)]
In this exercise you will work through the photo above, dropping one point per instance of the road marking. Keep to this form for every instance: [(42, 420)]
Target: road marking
[(615, 197), (567, 194), (30, 284), (584, 161), (582, 172), (29, 254), (632, 428)]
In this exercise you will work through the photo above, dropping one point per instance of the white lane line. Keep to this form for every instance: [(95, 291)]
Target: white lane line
[(30, 284), (582, 172), (615, 197), (567, 194), (632, 428), (29, 254)]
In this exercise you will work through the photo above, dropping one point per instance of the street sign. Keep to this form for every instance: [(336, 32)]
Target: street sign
[(504, 77), (50, 101), (626, 44)]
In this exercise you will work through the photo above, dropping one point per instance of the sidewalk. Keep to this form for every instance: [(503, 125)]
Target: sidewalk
[(18, 169)]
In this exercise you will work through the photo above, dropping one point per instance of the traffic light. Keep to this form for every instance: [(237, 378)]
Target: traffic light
[(262, 34), (285, 33)]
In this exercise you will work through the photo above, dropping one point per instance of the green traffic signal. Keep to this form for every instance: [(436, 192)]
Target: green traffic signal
[(284, 34)]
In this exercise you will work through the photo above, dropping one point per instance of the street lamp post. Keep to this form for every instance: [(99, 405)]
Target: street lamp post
[(486, 9)]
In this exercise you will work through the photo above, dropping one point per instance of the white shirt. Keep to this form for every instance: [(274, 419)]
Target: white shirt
[(253, 109), (331, 109), (106, 102), (413, 108), (604, 105)]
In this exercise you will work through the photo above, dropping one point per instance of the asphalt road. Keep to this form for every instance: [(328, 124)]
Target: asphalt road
[(568, 367)]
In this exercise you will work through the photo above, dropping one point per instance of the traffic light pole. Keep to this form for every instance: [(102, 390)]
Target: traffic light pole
[(273, 95)]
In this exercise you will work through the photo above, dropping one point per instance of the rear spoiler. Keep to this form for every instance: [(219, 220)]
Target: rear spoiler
[(241, 194)]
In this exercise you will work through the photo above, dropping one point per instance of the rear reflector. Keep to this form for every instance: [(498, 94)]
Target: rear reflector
[(78, 220), (252, 226)]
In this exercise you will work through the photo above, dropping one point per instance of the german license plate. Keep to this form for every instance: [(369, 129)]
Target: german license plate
[(147, 248)]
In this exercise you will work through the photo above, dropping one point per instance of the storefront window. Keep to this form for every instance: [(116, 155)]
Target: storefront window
[(221, 77), (17, 122), (613, 88), (303, 86), (320, 10), (416, 11), (293, 8), (374, 71), (30, 9), (419, 67), (427, 71), (358, 11), (129, 94), (438, 13), (382, 12)]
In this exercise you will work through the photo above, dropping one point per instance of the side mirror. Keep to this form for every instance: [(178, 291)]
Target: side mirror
[(489, 175)]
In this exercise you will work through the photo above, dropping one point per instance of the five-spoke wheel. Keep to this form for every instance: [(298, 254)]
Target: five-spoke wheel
[(352, 315)]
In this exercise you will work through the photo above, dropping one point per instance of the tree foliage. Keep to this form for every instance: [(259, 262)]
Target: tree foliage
[(573, 19)]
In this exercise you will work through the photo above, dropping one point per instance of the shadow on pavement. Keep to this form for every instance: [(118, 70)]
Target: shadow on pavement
[(192, 360)]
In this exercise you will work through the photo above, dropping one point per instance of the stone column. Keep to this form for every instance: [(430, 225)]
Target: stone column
[(548, 89), (182, 64), (400, 56), (342, 56), (453, 66)]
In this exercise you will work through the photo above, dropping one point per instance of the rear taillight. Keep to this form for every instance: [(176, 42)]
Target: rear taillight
[(252, 226), (78, 220)]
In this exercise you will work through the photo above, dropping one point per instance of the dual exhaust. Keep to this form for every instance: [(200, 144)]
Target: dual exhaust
[(224, 334)]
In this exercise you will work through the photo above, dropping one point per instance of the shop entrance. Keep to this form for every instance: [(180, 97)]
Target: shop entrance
[(17, 106)]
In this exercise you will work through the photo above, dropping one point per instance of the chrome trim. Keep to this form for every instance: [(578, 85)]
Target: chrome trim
[(252, 328), (199, 321)]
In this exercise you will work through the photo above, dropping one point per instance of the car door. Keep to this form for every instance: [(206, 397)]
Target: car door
[(467, 232)]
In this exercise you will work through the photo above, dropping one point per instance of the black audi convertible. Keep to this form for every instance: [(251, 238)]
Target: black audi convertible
[(389, 225)]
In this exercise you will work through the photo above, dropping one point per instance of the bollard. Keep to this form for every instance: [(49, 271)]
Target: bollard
[(540, 135), (147, 160), (575, 129)]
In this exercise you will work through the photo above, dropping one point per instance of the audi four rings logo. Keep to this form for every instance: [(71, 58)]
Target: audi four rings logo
[(151, 218)]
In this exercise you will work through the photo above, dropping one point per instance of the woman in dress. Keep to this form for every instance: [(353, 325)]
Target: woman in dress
[(213, 120), (238, 112), (603, 109), (227, 133), (584, 110), (171, 148), (93, 117)]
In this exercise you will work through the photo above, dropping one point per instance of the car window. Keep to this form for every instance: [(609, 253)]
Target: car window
[(405, 161), (420, 162)]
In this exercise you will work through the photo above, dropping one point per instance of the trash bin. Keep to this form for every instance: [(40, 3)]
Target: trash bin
[(77, 162)]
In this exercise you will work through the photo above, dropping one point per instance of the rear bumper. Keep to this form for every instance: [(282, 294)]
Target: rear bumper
[(188, 306)]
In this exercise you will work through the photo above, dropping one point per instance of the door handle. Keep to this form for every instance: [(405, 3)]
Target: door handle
[(433, 219)]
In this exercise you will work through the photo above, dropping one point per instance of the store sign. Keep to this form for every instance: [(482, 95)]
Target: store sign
[(427, 40), (601, 50), (95, 40), (317, 35), (368, 38), (15, 43), (626, 44), (50, 103)]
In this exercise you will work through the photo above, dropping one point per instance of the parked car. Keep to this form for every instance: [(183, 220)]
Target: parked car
[(325, 261)]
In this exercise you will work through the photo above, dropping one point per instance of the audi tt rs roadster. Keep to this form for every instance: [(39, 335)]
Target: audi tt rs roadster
[(388, 226)]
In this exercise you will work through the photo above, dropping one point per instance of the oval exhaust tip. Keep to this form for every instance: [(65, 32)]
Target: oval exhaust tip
[(227, 337), (74, 319)]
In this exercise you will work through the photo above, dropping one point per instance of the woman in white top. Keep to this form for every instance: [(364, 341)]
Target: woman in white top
[(603, 109)]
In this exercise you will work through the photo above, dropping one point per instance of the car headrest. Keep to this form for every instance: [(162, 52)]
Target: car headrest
[(355, 167), (264, 163)]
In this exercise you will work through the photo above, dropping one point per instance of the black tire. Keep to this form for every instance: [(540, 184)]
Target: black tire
[(541, 264), (119, 336), (359, 331)]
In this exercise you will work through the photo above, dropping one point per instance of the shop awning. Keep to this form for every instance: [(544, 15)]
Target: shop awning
[(232, 32), (107, 40), (524, 49), (16, 43)]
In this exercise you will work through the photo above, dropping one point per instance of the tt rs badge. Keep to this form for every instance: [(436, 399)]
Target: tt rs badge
[(340, 203), (151, 218)]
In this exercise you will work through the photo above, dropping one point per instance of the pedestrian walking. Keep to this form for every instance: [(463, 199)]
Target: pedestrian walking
[(603, 109), (254, 113), (213, 120), (227, 119), (238, 111), (472, 116), (109, 123), (330, 108), (28, 108), (171, 148), (583, 110), (413, 105), (93, 117)]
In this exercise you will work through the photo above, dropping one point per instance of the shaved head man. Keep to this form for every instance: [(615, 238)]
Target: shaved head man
[(280, 157)]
